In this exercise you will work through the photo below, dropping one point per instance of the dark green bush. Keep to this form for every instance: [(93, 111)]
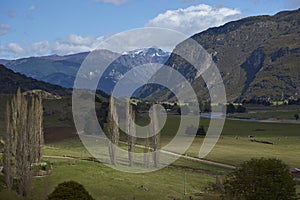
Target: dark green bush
[(261, 179), (70, 190)]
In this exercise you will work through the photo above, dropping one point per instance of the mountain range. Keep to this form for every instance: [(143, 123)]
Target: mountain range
[(62, 70), (258, 58)]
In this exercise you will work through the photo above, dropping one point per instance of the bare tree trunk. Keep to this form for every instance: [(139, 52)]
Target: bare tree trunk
[(156, 138), (130, 115), (113, 129)]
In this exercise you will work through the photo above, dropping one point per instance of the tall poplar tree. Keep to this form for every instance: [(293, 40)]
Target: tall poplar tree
[(24, 139)]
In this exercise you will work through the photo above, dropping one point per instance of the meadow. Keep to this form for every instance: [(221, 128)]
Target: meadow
[(103, 182), (71, 161), (234, 145), (232, 148)]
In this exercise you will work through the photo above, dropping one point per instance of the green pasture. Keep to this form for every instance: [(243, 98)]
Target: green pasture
[(103, 182), (269, 112), (234, 145)]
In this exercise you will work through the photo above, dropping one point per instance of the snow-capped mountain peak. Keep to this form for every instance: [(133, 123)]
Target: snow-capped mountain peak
[(152, 52), (129, 60)]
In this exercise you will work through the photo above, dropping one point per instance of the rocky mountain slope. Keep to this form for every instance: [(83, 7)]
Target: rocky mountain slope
[(258, 58), (129, 60)]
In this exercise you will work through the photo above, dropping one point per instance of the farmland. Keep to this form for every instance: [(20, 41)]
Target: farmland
[(233, 147), (72, 161)]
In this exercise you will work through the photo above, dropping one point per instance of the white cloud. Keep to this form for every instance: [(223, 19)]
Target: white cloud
[(116, 2), (40, 48), (194, 19), (75, 43), (63, 46), (4, 29), (15, 47), (12, 48), (79, 40)]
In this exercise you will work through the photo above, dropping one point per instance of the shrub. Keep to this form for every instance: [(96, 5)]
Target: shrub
[(261, 179), (70, 190), (230, 108)]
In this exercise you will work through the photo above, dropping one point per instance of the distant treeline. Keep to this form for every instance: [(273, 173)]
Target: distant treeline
[(269, 102)]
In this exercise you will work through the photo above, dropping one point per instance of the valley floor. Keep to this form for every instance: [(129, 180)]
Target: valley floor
[(71, 161)]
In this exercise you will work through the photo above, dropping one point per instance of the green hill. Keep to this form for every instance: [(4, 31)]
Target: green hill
[(54, 69), (11, 81)]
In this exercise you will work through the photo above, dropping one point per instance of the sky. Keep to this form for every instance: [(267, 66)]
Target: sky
[(46, 27)]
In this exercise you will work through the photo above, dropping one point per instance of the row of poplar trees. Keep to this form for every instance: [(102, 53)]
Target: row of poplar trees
[(24, 140), (113, 132)]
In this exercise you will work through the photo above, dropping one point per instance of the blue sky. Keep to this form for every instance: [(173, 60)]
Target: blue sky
[(43, 27)]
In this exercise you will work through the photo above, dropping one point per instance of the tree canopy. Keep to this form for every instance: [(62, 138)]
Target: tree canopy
[(261, 179)]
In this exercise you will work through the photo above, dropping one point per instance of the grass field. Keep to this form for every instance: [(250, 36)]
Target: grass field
[(106, 183), (233, 147), (103, 182), (269, 112)]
